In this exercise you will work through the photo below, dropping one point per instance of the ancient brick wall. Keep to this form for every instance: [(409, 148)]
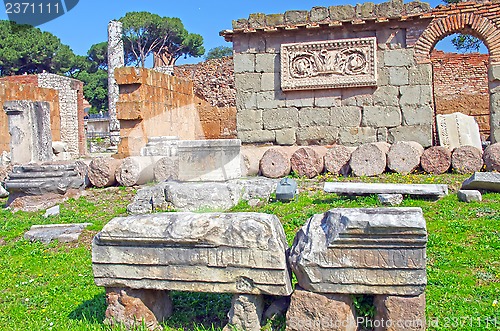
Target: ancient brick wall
[(213, 83), (11, 90), (66, 114), (154, 104), (71, 110), (461, 85)]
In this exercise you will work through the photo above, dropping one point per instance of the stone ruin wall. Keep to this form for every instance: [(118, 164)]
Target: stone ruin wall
[(213, 83), (398, 105), (65, 96), (461, 85), (154, 104), (71, 110), (17, 88)]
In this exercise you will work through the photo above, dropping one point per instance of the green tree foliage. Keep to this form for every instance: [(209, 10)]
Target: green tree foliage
[(146, 34), (219, 52), (95, 88), (464, 42), (26, 49)]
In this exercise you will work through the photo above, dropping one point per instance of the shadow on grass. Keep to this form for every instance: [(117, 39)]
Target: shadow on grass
[(91, 311), (199, 311)]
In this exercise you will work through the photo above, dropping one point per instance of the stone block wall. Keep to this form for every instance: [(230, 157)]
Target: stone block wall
[(154, 104), (461, 85), (400, 107), (71, 110), (66, 114), (27, 89)]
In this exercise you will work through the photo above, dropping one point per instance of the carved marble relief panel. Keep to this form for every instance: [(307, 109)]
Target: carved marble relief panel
[(329, 64)]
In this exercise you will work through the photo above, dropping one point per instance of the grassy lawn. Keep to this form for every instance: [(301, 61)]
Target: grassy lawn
[(51, 287)]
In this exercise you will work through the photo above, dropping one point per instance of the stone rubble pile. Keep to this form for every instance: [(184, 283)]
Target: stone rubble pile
[(213, 80)]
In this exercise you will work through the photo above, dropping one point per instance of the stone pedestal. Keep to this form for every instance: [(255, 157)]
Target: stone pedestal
[(161, 146), (41, 179), (30, 131), (320, 312), (131, 308), (396, 313), (246, 312)]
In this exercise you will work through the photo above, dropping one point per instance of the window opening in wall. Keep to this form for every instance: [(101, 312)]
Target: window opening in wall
[(460, 79)]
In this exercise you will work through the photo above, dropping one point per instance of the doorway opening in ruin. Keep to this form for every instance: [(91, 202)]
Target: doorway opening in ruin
[(460, 82)]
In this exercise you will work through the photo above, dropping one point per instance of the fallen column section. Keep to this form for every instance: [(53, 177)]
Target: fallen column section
[(427, 190)]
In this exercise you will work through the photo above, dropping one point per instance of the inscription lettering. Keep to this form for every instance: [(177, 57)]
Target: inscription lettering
[(370, 258)]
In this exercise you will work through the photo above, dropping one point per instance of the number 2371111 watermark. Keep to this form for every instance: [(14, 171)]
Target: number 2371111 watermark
[(36, 12)]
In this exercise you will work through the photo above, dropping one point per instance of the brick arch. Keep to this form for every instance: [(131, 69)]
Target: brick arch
[(467, 23)]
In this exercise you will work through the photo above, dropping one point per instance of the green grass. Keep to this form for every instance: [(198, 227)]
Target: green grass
[(51, 287)]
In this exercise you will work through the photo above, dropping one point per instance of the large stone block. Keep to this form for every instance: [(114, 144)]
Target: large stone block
[(398, 76), (299, 99), (362, 251), (209, 160), (381, 116), (280, 118), (327, 98), (346, 116), (270, 99), (213, 252), (386, 96), (246, 100), (286, 136), (489, 181), (314, 117), (269, 82), (319, 14), (421, 74), (247, 82), (417, 114), (249, 119), (317, 135), (267, 63), (415, 95), (342, 13), (419, 133), (399, 58), (243, 63), (394, 313), (257, 136), (320, 312), (425, 190), (356, 136)]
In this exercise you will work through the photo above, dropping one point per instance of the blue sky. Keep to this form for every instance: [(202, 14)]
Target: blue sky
[(87, 23)]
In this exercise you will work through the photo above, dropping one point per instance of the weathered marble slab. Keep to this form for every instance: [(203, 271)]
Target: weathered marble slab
[(161, 146), (61, 232), (38, 179), (329, 64), (457, 129), (213, 252), (29, 128), (362, 251), (428, 190), (209, 160), (489, 181)]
